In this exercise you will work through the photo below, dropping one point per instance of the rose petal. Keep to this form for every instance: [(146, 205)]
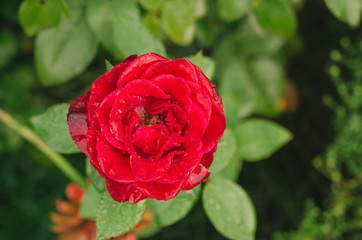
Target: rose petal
[(104, 85), (196, 123), (103, 115), (113, 162), (144, 88), (122, 192), (159, 191), (178, 68), (207, 158), (149, 169), (77, 121), (135, 69), (183, 164), (195, 178), (216, 127)]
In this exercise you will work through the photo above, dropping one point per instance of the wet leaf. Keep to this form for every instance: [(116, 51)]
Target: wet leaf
[(88, 207), (229, 209), (114, 218), (224, 153), (52, 128), (171, 211), (97, 181)]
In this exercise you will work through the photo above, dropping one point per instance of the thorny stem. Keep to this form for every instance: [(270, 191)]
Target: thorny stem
[(34, 139)]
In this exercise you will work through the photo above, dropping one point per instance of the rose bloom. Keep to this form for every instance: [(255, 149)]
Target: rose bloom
[(150, 127), (69, 225)]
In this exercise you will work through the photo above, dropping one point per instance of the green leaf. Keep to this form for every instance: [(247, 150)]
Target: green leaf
[(171, 211), (114, 218), (109, 65), (100, 19), (97, 181), (205, 63), (64, 51), (276, 17), (258, 139), (229, 209), (35, 15), (131, 35), (231, 171), (88, 207), (179, 21), (348, 11), (52, 127), (225, 152), (231, 10)]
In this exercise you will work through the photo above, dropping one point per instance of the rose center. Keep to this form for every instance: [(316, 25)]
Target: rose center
[(149, 120)]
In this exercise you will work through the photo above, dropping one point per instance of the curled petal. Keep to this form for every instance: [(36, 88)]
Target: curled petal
[(122, 192), (104, 85), (216, 127), (136, 68), (144, 88), (113, 162), (195, 178), (77, 121)]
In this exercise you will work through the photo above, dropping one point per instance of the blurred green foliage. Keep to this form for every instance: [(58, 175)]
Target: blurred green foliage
[(247, 46)]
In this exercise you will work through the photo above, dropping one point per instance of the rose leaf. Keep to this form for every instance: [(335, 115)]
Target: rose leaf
[(35, 15), (127, 18), (114, 218), (229, 209), (90, 200), (258, 139), (100, 19), (171, 211), (52, 128), (224, 153), (64, 51), (97, 181)]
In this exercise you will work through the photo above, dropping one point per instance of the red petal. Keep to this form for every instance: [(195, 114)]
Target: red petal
[(104, 85), (148, 139), (123, 192), (216, 126), (196, 124), (144, 88), (103, 115), (148, 169), (184, 163), (195, 178), (113, 162), (207, 158), (159, 191), (179, 68), (77, 121), (176, 88), (135, 69)]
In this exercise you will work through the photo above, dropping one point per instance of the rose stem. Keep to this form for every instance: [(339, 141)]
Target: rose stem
[(56, 158)]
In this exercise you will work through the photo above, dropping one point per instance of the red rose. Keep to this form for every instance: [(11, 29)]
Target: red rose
[(150, 127)]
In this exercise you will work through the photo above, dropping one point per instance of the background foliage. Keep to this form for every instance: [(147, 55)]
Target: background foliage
[(273, 61)]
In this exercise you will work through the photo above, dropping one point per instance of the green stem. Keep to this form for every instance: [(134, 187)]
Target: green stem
[(57, 159)]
